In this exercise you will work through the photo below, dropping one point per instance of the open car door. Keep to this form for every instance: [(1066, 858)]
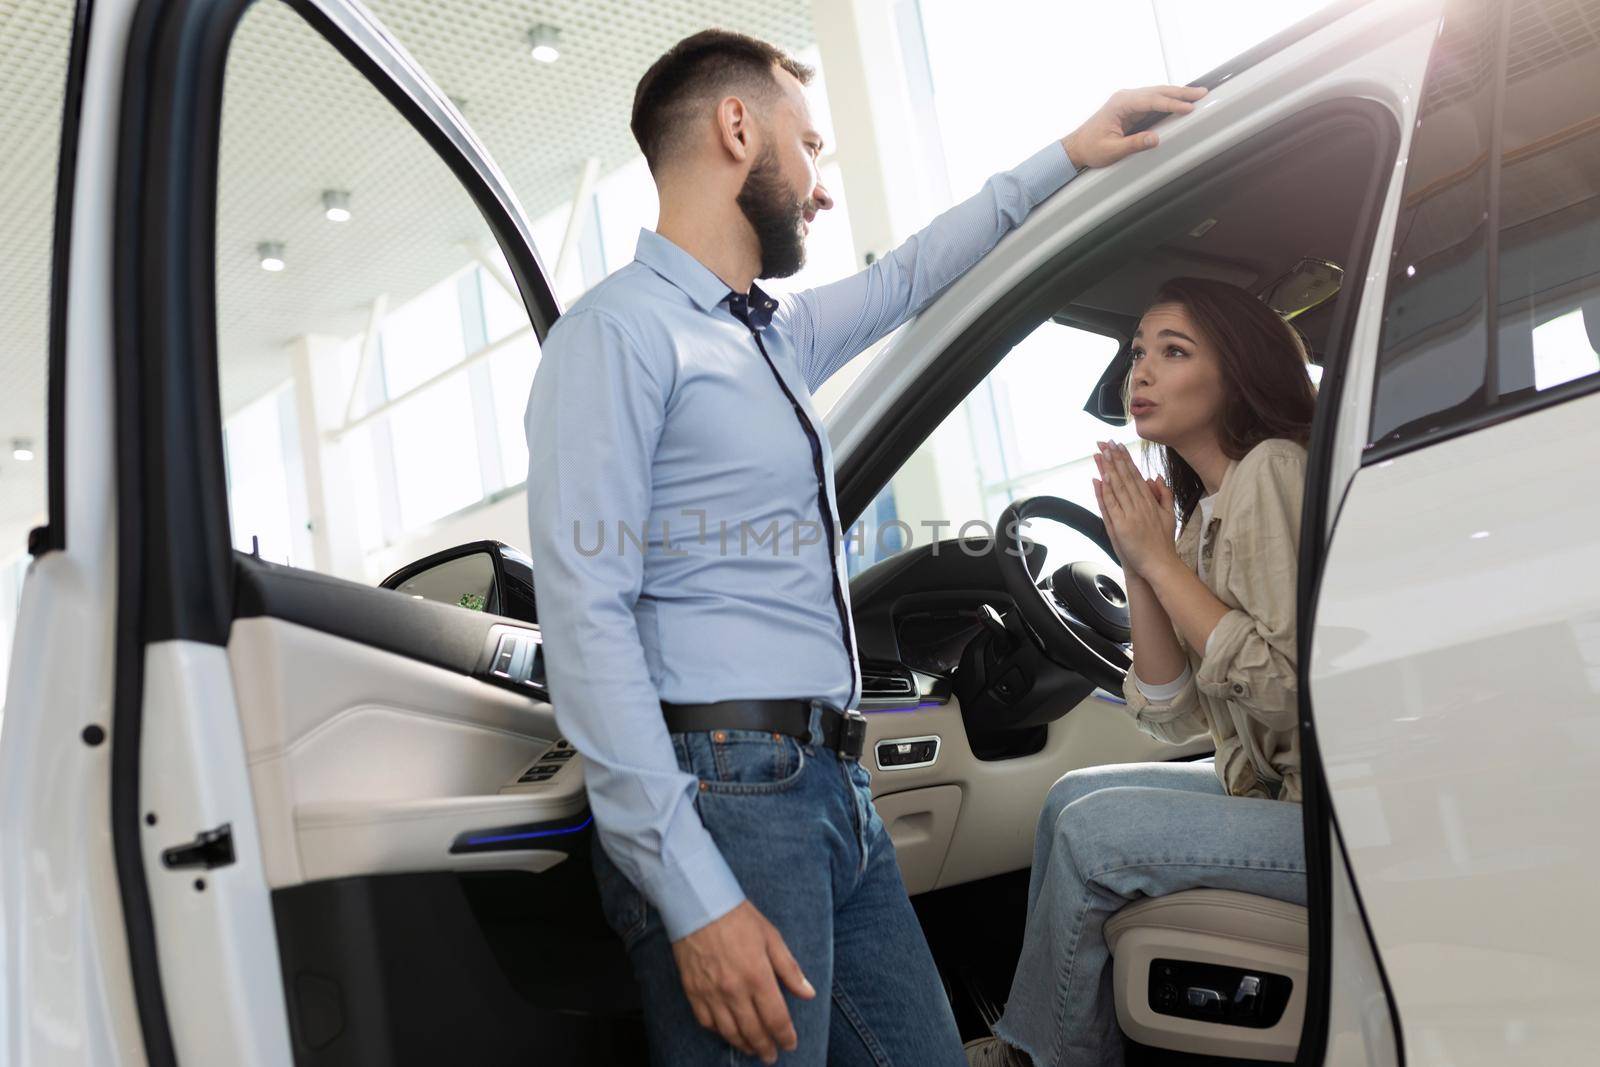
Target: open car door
[(346, 829)]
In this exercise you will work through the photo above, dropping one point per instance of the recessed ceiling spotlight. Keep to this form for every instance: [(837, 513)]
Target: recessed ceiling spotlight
[(271, 253), (545, 41), (336, 205), (22, 449)]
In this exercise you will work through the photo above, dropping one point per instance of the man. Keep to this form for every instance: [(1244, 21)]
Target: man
[(699, 666)]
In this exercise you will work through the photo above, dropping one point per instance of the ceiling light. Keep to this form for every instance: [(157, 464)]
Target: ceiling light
[(271, 253), (543, 40), (22, 449), (1411, 272), (1203, 229), (336, 205)]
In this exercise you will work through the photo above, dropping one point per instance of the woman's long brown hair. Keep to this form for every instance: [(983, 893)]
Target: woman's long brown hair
[(1266, 389)]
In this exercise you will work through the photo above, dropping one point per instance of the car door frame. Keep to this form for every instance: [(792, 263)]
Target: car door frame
[(176, 581), (871, 447)]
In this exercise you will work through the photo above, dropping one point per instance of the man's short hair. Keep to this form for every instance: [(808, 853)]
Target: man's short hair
[(711, 63)]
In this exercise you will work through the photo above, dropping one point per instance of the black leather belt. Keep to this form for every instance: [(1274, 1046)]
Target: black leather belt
[(844, 732)]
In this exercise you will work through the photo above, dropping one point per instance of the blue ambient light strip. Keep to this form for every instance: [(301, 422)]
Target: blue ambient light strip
[(908, 707), (529, 835)]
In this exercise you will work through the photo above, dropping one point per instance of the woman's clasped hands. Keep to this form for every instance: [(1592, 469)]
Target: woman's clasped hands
[(1138, 511)]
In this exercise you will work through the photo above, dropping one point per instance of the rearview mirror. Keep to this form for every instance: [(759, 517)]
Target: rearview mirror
[(487, 576), (1308, 285)]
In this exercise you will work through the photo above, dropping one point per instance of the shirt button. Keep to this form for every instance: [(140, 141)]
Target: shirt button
[(1237, 688)]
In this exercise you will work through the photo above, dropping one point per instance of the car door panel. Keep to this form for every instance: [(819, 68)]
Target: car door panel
[(1452, 669), (324, 852), (364, 761), (223, 1007), (1458, 737)]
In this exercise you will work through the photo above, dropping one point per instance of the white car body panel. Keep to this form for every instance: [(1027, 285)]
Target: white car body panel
[(1360, 1028), (215, 934), (1460, 735), (67, 993)]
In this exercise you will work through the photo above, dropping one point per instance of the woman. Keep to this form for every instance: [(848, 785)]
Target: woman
[(1219, 388)]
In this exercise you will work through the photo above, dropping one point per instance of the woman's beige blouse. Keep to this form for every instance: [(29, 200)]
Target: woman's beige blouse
[(1242, 690)]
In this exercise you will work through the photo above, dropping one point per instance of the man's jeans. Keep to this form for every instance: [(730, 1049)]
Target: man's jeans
[(1109, 836), (797, 825)]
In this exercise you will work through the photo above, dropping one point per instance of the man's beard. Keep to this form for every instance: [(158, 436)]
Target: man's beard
[(775, 216)]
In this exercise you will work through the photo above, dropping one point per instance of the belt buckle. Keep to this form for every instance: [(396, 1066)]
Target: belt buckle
[(852, 735)]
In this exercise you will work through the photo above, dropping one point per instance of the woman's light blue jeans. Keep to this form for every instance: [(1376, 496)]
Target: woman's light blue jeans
[(1107, 837)]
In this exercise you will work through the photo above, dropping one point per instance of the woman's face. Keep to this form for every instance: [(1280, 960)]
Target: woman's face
[(1175, 388)]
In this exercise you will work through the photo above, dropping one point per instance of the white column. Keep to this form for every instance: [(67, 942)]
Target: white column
[(875, 65), (875, 123), (319, 398)]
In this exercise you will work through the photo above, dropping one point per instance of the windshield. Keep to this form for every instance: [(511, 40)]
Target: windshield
[(1022, 432)]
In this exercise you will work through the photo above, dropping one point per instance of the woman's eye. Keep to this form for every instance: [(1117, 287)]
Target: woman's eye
[(1176, 351)]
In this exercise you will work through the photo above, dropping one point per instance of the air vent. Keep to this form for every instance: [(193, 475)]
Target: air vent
[(880, 682)]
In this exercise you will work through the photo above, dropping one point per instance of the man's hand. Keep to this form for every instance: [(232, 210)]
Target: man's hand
[(730, 971), (1103, 139)]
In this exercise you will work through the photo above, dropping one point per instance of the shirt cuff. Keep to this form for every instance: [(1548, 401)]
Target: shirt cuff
[(694, 892), (1044, 172), (1162, 694)]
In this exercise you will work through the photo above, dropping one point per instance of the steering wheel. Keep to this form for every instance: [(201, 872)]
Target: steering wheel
[(1078, 614)]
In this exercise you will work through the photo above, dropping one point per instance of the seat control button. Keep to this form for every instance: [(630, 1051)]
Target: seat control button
[(1204, 1001)]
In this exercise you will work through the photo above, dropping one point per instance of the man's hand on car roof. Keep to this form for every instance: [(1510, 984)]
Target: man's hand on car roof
[(1103, 138)]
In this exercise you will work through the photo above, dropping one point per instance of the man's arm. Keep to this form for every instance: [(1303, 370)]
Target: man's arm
[(593, 420), (834, 323)]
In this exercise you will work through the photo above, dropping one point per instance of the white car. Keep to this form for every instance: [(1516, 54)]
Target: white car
[(257, 815)]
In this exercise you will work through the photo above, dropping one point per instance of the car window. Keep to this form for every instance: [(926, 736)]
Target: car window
[(374, 357), (1022, 432), (35, 42), (1494, 286)]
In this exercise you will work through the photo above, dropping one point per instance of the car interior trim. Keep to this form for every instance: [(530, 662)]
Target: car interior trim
[(55, 535)]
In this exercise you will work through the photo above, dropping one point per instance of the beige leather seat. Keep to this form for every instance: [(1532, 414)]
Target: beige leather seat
[(1261, 936)]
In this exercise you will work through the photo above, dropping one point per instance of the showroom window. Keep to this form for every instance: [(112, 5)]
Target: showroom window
[(1493, 302)]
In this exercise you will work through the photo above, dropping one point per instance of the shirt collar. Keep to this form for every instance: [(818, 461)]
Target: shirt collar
[(697, 280)]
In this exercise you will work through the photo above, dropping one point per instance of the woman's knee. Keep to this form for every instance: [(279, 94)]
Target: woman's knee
[(1076, 785)]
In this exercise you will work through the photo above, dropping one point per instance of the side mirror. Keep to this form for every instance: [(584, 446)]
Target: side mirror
[(1105, 402), (487, 576)]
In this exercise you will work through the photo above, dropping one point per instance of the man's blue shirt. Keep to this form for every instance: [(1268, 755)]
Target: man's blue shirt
[(681, 510)]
